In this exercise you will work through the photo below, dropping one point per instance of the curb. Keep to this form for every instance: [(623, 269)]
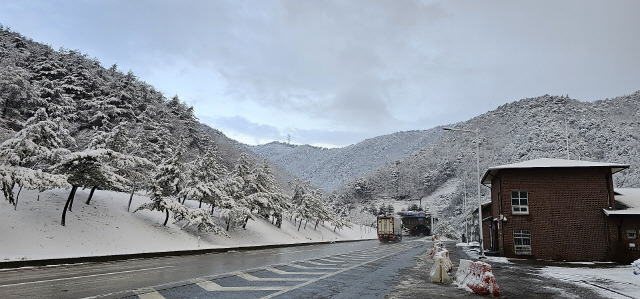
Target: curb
[(120, 257)]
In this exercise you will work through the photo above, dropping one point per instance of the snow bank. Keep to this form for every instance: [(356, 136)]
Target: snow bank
[(618, 278), (104, 227)]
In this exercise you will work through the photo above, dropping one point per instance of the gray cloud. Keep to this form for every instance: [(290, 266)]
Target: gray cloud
[(366, 67), (241, 126)]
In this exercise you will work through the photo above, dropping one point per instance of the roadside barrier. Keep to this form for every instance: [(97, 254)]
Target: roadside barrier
[(478, 277), (441, 267), (441, 263), (463, 270), (437, 247)]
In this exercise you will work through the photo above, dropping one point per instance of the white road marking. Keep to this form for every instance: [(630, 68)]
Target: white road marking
[(332, 260), (325, 276), (319, 268), (148, 294), (212, 286), (280, 253), (82, 276), (250, 277), (278, 271), (319, 264)]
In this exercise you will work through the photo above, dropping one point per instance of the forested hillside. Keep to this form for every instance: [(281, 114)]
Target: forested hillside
[(604, 131), (330, 168), (68, 122)]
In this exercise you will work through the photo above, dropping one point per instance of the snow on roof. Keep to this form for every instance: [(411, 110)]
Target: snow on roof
[(550, 163), (630, 198)]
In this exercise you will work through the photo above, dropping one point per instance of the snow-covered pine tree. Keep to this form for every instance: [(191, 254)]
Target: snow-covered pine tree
[(167, 183), (170, 176), (305, 202), (341, 218), (266, 198), (202, 180), (89, 168), (198, 218), (16, 95), (29, 154), (237, 186), (136, 169)]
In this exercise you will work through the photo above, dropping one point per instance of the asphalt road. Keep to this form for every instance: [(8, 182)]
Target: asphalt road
[(117, 279), (364, 269), (370, 272)]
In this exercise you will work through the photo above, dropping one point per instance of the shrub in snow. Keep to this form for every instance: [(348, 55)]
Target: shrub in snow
[(636, 267), (198, 218)]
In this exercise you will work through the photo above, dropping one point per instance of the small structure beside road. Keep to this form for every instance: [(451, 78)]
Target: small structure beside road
[(416, 222), (562, 210)]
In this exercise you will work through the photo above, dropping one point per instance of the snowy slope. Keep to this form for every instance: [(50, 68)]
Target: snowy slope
[(533, 128), (104, 227), (329, 168)]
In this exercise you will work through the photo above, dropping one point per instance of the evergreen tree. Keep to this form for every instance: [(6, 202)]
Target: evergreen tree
[(167, 182), (237, 186), (129, 165), (198, 218), (16, 95), (265, 196), (202, 181), (92, 168), (30, 153)]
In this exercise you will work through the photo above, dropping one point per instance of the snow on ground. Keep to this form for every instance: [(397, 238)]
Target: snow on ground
[(104, 227), (605, 278)]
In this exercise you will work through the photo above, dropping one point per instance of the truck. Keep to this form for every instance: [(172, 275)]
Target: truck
[(389, 229)]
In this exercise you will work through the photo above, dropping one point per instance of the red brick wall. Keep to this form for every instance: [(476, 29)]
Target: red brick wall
[(618, 226), (565, 212)]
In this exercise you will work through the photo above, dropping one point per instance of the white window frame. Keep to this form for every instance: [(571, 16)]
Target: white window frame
[(632, 234), (522, 242), (520, 209)]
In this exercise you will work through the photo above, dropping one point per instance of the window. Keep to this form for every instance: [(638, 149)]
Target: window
[(520, 202), (522, 241), (631, 234)]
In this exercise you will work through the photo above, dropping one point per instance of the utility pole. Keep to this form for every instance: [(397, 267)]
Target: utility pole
[(477, 139)]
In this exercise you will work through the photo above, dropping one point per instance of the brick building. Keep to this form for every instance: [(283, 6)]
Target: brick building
[(560, 210)]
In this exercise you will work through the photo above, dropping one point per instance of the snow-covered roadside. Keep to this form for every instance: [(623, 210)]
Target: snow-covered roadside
[(608, 280), (104, 227), (611, 282)]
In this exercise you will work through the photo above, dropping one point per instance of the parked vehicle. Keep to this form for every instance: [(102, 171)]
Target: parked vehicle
[(389, 229)]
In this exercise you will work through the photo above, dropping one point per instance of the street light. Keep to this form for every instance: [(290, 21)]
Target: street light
[(478, 172)]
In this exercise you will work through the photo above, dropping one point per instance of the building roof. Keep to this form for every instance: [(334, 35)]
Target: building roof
[(550, 163), (412, 214), (628, 199)]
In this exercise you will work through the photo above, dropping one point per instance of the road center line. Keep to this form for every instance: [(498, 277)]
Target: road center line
[(82, 276)]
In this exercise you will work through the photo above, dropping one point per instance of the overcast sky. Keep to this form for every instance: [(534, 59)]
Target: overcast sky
[(333, 73)]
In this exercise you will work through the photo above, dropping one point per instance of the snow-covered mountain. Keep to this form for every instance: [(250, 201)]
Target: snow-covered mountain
[(330, 168), (87, 98), (604, 131)]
